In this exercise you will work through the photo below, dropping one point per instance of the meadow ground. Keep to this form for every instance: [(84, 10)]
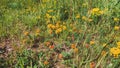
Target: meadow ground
[(59, 34)]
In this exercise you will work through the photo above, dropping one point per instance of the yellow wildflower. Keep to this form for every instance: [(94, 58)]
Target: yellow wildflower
[(64, 28), (90, 20), (48, 15), (116, 19), (49, 11), (84, 17), (37, 32), (118, 47), (95, 10), (118, 43), (49, 25), (77, 16), (53, 26), (57, 25), (116, 27), (101, 12), (92, 42), (104, 45), (115, 52), (58, 30)]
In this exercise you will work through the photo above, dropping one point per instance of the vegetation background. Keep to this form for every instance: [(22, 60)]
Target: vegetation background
[(59, 33)]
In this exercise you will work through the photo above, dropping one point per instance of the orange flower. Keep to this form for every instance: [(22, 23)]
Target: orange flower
[(87, 45), (76, 50), (103, 53), (46, 62), (47, 43), (51, 47), (60, 56), (73, 46), (26, 33), (92, 64), (50, 31), (37, 30), (24, 41)]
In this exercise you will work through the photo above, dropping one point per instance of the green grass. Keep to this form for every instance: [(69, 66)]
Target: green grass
[(59, 33)]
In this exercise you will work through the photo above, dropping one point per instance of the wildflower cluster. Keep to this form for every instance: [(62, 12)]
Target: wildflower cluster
[(115, 51), (49, 15), (87, 19), (116, 19), (48, 44), (97, 11), (73, 46), (57, 28)]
